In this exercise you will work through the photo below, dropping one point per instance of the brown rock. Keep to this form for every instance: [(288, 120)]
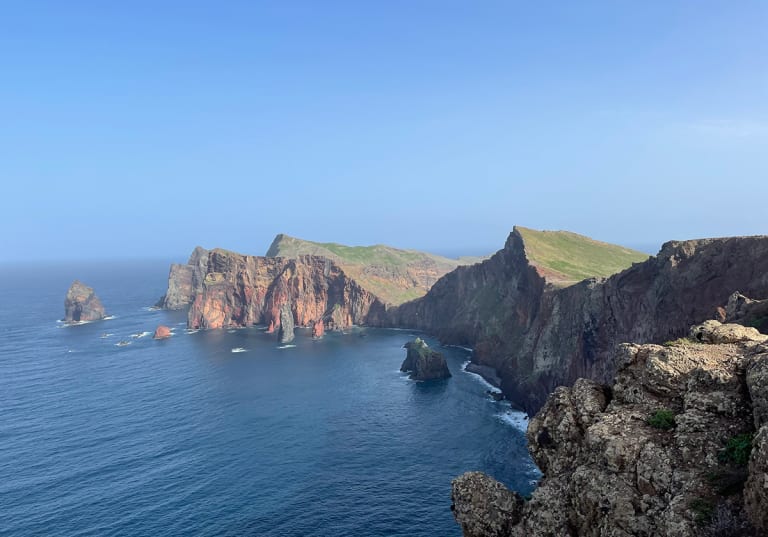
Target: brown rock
[(271, 327), (162, 332), (318, 329), (483, 507), (82, 304)]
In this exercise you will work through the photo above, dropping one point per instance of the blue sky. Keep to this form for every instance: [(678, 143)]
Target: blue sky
[(132, 129)]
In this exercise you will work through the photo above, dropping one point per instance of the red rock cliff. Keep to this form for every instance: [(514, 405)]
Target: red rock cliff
[(237, 290)]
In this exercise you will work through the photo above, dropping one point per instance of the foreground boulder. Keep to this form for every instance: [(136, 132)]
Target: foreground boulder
[(678, 446), (423, 363), (82, 304)]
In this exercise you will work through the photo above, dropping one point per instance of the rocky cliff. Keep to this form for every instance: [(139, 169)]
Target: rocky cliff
[(81, 304), (227, 289), (538, 335), (677, 446)]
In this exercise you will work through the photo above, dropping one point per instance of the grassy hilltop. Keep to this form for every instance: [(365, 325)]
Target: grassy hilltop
[(392, 274), (566, 258)]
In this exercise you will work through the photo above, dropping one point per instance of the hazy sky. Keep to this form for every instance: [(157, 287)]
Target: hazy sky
[(132, 129)]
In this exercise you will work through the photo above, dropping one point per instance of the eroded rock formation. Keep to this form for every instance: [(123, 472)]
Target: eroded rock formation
[(538, 336), (663, 452), (285, 332), (424, 363), (318, 329), (82, 305), (226, 289)]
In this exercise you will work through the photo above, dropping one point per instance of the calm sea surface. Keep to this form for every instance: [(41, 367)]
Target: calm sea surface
[(186, 437)]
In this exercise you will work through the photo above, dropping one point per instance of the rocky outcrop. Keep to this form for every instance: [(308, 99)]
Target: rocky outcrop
[(538, 336), (226, 289), (185, 281), (285, 332), (162, 332), (423, 363), (82, 305), (744, 310), (663, 452), (318, 329)]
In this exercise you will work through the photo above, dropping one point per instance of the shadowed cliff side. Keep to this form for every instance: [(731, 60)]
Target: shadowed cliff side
[(539, 336)]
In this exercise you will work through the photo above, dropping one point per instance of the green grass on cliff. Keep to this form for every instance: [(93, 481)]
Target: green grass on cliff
[(392, 274), (567, 258)]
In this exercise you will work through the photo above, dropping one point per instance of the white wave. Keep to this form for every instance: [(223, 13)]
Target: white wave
[(286, 346), (105, 335), (468, 349), (518, 420), (181, 324), (122, 343), (230, 331), (479, 378), (192, 330), (139, 335), (150, 308), (239, 349), (109, 317)]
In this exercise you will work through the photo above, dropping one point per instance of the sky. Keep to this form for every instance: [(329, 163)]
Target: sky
[(142, 129)]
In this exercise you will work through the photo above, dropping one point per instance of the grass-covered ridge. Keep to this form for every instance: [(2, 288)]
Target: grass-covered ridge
[(566, 258), (392, 274)]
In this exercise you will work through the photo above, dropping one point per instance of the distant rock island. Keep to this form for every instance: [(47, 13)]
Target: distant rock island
[(82, 305), (677, 446), (423, 363)]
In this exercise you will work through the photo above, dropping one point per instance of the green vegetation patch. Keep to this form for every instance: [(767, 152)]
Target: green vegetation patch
[(392, 274), (662, 419), (737, 450), (567, 258)]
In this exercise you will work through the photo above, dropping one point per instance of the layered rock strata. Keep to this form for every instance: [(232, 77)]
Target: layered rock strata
[(226, 289), (538, 336), (82, 305), (663, 452), (424, 363)]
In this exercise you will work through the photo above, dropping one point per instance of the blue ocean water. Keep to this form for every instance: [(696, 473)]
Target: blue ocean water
[(186, 437)]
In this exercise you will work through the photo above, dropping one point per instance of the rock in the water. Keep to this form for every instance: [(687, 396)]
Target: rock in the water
[(82, 304), (318, 329), (285, 333), (423, 363), (271, 327), (162, 332), (483, 507)]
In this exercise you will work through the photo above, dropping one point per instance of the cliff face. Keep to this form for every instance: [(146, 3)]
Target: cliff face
[(669, 450), (81, 304), (228, 289), (538, 336), (184, 281)]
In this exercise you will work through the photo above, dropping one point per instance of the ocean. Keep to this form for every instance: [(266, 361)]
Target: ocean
[(224, 432)]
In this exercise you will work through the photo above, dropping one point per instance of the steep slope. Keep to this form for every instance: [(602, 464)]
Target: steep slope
[(565, 258), (392, 274), (676, 447), (539, 336)]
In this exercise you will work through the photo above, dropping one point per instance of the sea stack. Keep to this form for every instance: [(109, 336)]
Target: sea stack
[(82, 304), (285, 333), (423, 363), (318, 329)]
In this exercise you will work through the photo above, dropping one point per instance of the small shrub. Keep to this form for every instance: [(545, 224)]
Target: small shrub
[(725, 523), (728, 481), (737, 450), (702, 510), (662, 419)]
